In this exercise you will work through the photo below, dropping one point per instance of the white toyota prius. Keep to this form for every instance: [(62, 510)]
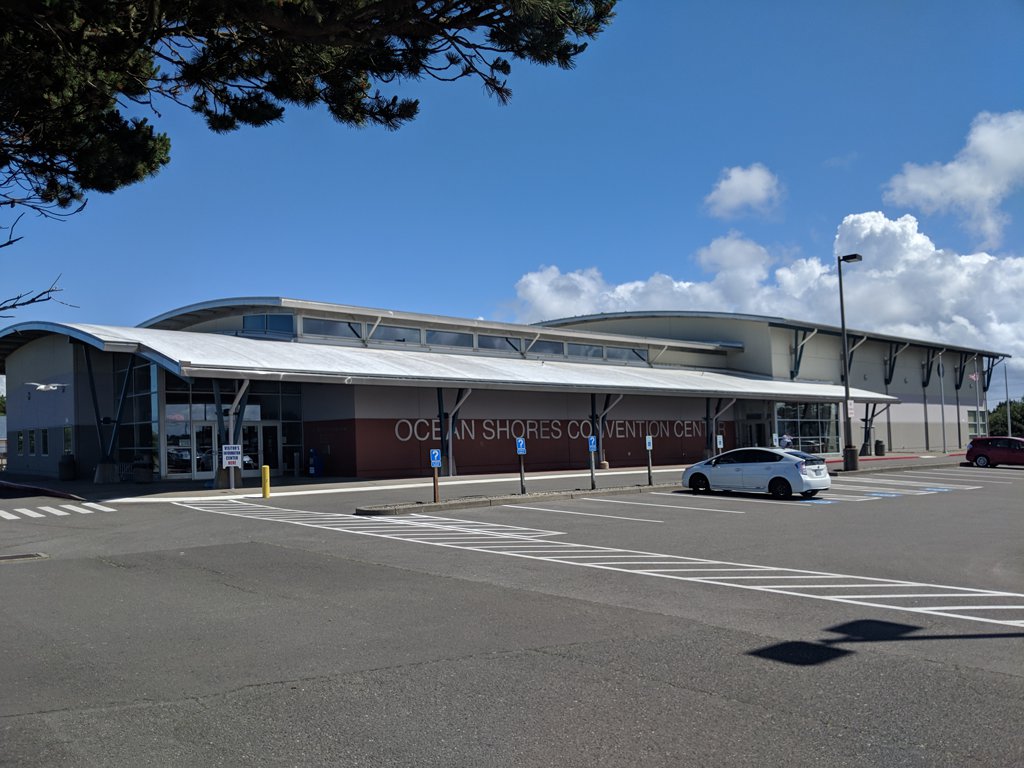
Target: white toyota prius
[(778, 471)]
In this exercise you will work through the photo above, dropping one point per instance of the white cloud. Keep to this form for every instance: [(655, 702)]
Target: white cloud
[(985, 172), (741, 190), (904, 286)]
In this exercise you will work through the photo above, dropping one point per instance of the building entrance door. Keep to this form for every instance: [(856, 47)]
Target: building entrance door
[(261, 444), (755, 433), (204, 449)]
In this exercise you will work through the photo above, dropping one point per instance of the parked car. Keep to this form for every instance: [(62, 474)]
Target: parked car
[(992, 451), (776, 471)]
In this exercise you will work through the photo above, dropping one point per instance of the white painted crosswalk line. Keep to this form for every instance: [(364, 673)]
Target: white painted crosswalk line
[(98, 507), (28, 512), (8, 516), (80, 510), (55, 511)]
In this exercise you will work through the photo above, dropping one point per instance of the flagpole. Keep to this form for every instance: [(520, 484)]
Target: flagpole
[(977, 401), (1006, 383)]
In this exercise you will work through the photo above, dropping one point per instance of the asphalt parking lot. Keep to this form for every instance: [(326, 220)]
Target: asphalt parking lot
[(880, 624)]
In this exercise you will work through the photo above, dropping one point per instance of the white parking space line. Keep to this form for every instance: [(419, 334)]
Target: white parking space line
[(885, 489), (55, 511), (911, 483), (936, 474), (586, 514), (668, 506), (845, 497), (80, 510), (734, 499), (28, 512), (8, 515), (98, 507), (514, 541)]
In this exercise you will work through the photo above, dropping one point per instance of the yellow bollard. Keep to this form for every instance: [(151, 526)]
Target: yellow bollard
[(265, 472)]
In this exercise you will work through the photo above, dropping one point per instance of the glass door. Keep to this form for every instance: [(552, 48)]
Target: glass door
[(261, 444), (204, 453), (270, 443), (251, 453)]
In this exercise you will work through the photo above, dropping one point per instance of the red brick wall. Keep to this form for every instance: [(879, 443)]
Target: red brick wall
[(399, 447)]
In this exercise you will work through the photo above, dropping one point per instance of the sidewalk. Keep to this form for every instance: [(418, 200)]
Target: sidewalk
[(564, 481)]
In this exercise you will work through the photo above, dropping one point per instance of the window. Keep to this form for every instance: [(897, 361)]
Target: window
[(44, 442), (450, 338), (589, 351), (547, 348), (317, 326), (977, 423), (31, 442), (630, 355), (269, 323), (396, 333), (502, 343), (813, 427)]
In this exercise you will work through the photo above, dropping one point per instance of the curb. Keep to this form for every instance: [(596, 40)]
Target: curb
[(40, 490), (465, 502)]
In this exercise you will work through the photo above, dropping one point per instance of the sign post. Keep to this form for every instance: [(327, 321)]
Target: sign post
[(521, 451), (231, 458), (592, 449), (649, 444), (435, 462)]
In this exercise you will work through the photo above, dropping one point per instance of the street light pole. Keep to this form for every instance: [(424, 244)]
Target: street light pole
[(850, 460)]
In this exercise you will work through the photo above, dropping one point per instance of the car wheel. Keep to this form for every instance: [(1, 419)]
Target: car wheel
[(699, 484), (809, 494), (780, 488), (981, 461)]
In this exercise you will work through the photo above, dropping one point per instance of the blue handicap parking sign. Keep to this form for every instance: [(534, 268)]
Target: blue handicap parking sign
[(435, 457), (520, 445), (592, 444)]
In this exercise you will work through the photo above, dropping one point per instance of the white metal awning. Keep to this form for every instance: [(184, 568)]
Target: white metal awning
[(211, 355)]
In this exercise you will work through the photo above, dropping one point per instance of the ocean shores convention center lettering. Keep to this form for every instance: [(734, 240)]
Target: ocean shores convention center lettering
[(548, 429)]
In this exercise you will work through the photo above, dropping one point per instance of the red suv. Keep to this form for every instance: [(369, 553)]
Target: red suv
[(990, 451)]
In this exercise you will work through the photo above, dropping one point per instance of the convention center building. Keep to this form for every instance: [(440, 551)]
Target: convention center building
[(344, 391)]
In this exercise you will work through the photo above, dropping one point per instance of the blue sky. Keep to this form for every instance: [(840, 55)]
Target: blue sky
[(700, 156)]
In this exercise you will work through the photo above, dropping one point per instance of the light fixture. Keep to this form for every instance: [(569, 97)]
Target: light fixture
[(850, 461)]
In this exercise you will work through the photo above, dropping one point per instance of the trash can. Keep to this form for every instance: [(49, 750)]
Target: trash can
[(879, 448), (66, 468)]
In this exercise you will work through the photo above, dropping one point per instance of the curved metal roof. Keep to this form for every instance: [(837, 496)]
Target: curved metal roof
[(581, 321), (185, 317), (211, 355)]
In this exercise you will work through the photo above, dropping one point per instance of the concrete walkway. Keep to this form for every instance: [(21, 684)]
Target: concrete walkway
[(566, 481)]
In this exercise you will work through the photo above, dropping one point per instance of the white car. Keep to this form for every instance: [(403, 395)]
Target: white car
[(778, 471)]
